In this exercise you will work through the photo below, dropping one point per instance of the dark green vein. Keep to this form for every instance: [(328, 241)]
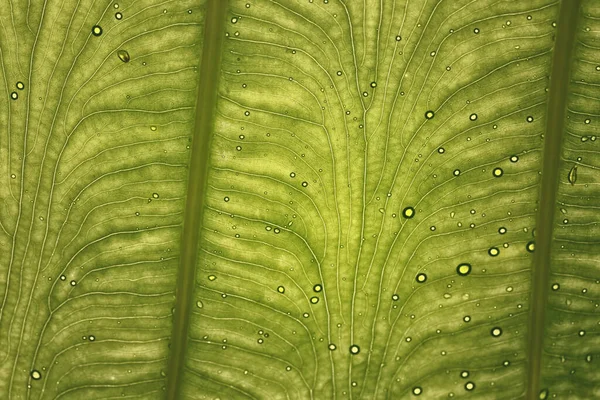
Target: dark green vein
[(559, 84), (205, 110)]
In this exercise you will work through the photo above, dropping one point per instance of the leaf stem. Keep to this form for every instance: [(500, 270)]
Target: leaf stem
[(199, 162), (557, 100)]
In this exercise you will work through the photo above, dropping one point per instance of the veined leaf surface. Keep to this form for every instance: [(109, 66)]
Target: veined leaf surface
[(340, 200)]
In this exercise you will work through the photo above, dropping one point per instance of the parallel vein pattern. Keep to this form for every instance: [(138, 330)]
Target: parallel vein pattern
[(373, 188), (96, 111)]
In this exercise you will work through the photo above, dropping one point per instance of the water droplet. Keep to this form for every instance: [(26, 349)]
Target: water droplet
[(199, 304), (555, 286), (530, 246), (399, 38), (124, 56), (497, 172), (36, 375), (421, 277), (429, 114), (304, 184), (292, 174), (463, 269), (212, 277), (155, 195), (476, 31), (280, 289), (314, 299), (92, 338), (469, 386), (332, 346), (373, 84), (464, 374), (502, 230), (496, 331), (119, 16), (408, 212), (395, 297), (225, 199), (467, 318), (544, 394), (581, 333), (234, 20), (73, 283), (317, 288), (305, 315), (63, 278), (456, 172), (20, 85), (473, 117), (493, 251), (276, 231), (417, 391), (514, 158), (572, 177), (529, 118), (14, 95), (354, 349), (441, 150), (588, 358), (96, 30)]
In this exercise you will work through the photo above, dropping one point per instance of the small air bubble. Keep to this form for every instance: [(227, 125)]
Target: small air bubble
[(96, 30)]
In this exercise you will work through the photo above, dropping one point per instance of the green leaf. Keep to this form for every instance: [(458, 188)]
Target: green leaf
[(299, 199)]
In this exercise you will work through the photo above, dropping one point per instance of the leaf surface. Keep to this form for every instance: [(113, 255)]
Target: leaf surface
[(338, 201)]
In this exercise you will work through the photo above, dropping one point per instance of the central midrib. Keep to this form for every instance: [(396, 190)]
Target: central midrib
[(214, 18), (559, 82)]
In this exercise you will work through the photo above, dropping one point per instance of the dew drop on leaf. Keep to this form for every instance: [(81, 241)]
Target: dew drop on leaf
[(408, 212), (304, 184), (530, 246), (395, 297), (314, 299), (429, 114), (469, 386), (456, 172), (467, 318), (473, 117), (421, 277), (155, 195), (92, 338), (399, 38), (463, 269), (514, 158), (212, 277), (529, 118), (280, 289), (497, 172), (493, 251), (36, 375), (464, 374), (555, 286), (96, 30), (199, 304), (544, 394), (317, 288), (572, 177), (417, 390), (124, 56), (496, 331), (118, 16), (226, 199), (476, 31), (20, 85), (332, 346), (441, 150), (292, 174), (502, 230), (373, 84), (354, 349), (234, 20), (14, 95)]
